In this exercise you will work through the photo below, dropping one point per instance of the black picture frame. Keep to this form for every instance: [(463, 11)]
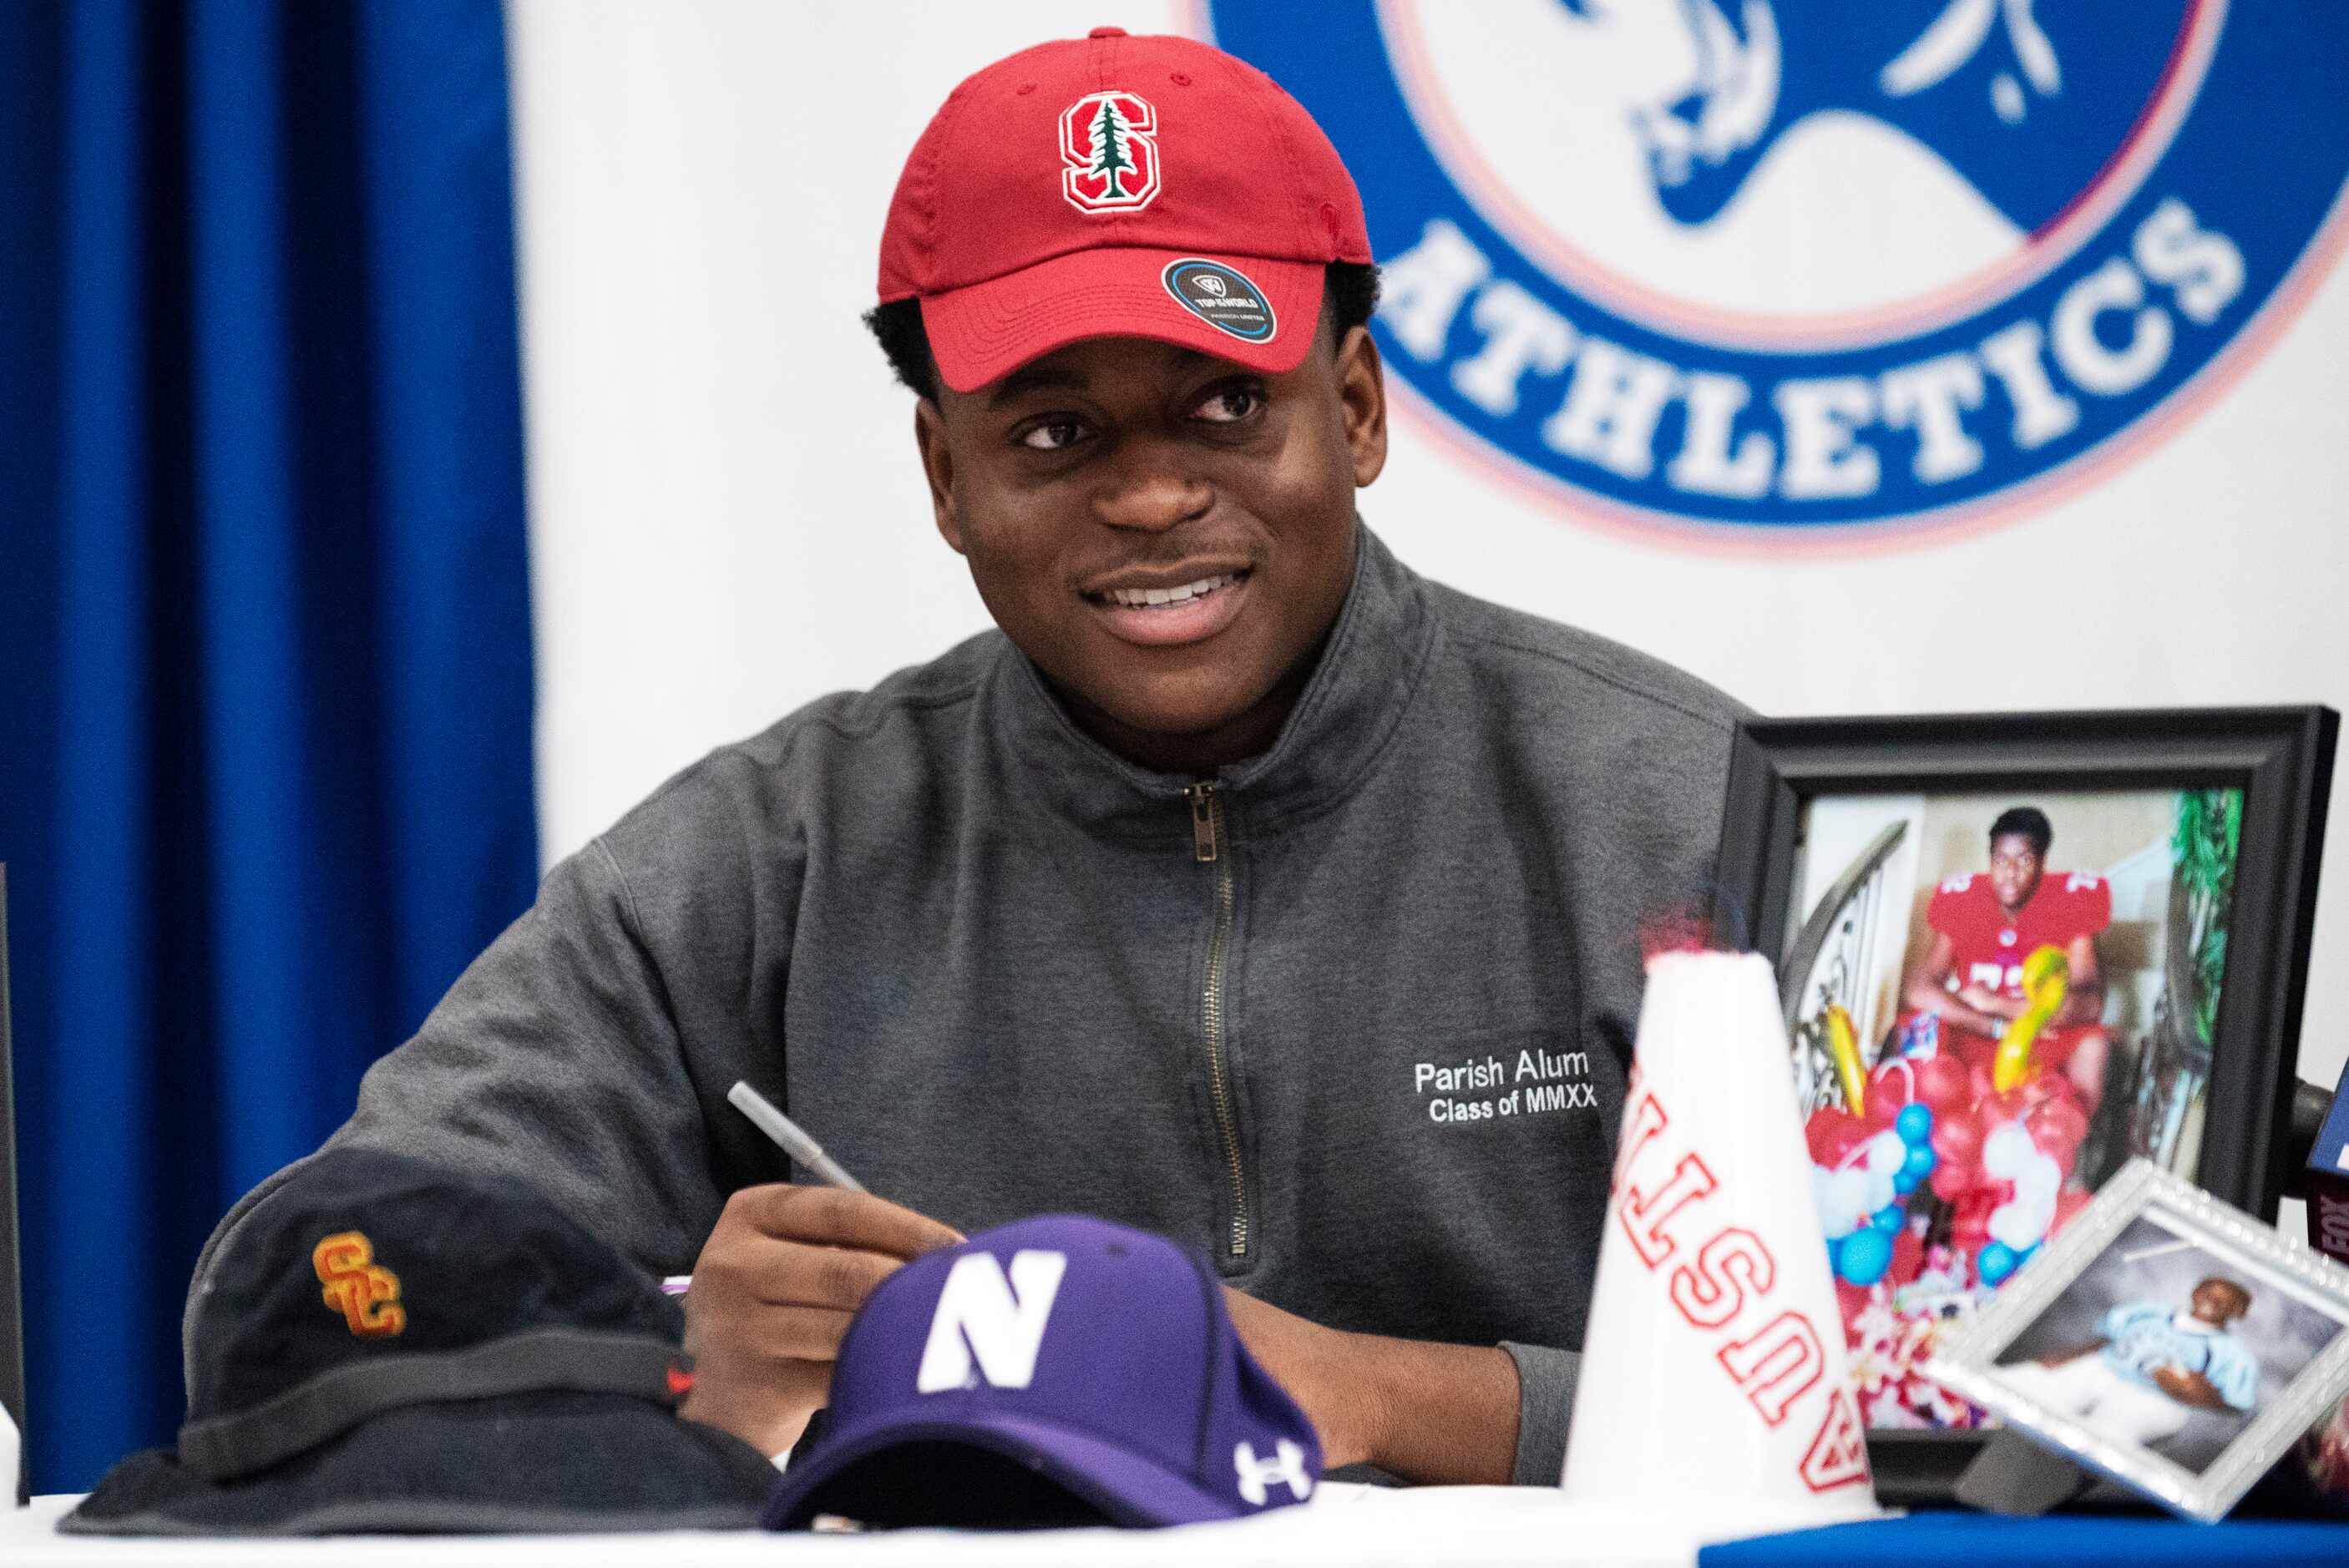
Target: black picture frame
[(2281, 760), (12, 1314)]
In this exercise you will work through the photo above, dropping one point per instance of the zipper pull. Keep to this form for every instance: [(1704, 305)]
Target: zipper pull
[(1203, 820)]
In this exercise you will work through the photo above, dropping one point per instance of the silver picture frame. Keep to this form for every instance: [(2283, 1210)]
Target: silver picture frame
[(1971, 1364)]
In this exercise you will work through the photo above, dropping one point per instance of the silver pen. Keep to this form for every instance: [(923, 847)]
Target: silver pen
[(790, 1138)]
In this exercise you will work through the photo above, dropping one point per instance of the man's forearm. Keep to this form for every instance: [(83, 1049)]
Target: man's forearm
[(2189, 1388), (1444, 1414), (1945, 1005), (1440, 1414), (2082, 1006)]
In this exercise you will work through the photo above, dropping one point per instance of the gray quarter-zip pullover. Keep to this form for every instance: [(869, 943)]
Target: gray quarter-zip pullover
[(1352, 1017)]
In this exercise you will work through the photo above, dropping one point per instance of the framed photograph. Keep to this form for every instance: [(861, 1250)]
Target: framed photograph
[(12, 1318), (10, 1296), (2166, 1340), (2016, 951)]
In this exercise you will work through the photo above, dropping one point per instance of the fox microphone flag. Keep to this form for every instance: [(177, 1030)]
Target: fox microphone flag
[(1713, 1346)]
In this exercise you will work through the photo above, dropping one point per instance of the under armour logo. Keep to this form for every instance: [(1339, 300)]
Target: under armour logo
[(1286, 1466), (363, 1291), (998, 1323)]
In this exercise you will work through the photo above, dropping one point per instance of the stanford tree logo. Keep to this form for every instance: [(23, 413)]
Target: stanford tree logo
[(1109, 152)]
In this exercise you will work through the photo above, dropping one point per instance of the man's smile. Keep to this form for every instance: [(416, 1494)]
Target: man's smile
[(1152, 615)]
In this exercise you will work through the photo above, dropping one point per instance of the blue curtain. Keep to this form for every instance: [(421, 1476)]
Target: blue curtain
[(265, 639)]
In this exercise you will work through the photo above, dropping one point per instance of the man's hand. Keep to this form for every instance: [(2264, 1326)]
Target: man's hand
[(1426, 1412), (774, 1291), (2188, 1387), (1991, 1004)]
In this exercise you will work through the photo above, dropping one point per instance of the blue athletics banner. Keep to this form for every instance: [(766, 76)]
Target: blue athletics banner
[(1810, 268)]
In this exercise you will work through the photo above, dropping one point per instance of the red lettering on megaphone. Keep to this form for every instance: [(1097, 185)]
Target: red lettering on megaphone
[(1777, 1364), (1772, 1353), (1645, 1214), (1711, 1290), (1839, 1454)]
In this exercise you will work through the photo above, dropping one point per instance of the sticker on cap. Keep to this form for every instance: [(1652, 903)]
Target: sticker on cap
[(1222, 296)]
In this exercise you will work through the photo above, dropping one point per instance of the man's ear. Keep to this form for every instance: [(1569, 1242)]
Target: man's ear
[(937, 467), (1362, 403)]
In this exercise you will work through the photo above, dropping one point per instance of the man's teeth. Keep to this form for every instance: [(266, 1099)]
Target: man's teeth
[(1147, 598)]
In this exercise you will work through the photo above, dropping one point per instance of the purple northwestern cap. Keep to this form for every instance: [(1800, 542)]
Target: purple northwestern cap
[(1054, 1370)]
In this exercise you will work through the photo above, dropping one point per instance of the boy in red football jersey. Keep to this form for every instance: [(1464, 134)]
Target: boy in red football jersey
[(1985, 925)]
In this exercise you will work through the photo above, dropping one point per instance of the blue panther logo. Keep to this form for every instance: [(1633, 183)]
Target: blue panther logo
[(1982, 82), (1812, 266)]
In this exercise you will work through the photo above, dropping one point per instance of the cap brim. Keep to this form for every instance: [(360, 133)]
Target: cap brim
[(540, 1462), (986, 331), (1128, 1489)]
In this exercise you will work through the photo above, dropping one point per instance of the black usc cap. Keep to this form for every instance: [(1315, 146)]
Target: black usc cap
[(385, 1346)]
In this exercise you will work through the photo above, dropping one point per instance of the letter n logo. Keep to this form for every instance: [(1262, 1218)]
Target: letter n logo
[(995, 1322)]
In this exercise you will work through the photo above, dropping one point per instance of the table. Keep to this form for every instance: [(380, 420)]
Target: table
[(1343, 1524), (2076, 1540)]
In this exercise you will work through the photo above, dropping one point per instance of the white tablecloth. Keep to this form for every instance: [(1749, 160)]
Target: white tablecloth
[(1343, 1525)]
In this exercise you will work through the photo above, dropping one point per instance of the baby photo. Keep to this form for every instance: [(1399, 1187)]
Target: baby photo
[(2164, 1345)]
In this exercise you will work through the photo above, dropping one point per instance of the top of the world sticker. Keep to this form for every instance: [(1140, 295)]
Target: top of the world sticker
[(1809, 267), (1224, 297)]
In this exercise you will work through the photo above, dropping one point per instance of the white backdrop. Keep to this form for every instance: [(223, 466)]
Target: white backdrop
[(728, 519)]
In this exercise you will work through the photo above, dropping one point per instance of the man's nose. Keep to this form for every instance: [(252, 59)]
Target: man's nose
[(1149, 486)]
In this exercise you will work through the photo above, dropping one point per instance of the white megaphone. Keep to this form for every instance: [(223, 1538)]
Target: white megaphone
[(1712, 1366)]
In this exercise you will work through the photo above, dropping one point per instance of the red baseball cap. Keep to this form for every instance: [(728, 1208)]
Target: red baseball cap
[(1116, 186)]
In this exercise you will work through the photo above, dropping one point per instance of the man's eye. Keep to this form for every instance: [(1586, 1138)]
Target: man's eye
[(1230, 404), (1052, 436)]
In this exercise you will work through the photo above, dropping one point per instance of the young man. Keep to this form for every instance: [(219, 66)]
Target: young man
[(1244, 886), (1986, 923), (2151, 1366)]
